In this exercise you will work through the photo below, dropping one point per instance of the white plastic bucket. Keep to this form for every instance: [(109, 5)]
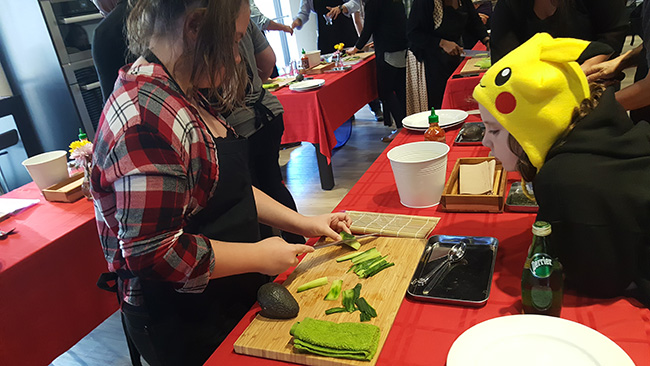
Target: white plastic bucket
[(419, 169), (48, 168)]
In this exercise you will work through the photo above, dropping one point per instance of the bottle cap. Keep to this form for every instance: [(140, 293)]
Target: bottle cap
[(433, 118), (82, 135), (541, 228)]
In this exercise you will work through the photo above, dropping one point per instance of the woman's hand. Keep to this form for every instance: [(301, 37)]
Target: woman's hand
[(352, 51), (277, 255), (296, 23), (602, 71), (334, 11), (329, 225), (451, 48)]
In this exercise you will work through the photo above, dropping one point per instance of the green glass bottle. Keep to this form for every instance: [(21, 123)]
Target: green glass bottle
[(542, 280)]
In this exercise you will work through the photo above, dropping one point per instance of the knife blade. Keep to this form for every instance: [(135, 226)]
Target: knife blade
[(474, 53), (344, 241)]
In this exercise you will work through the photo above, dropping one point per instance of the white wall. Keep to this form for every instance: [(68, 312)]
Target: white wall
[(5, 89)]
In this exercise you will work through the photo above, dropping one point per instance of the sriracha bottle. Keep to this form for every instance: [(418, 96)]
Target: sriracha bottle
[(434, 132)]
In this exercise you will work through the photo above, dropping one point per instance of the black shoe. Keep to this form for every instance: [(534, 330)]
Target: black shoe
[(390, 137), (379, 116)]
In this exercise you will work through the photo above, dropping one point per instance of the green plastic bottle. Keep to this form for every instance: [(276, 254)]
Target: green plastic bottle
[(82, 135)]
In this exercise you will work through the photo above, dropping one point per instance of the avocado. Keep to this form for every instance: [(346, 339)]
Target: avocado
[(277, 302)]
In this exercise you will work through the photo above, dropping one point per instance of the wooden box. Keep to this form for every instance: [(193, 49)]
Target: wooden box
[(318, 69), (68, 190), (452, 201)]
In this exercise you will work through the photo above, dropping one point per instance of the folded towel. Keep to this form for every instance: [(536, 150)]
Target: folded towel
[(357, 341)]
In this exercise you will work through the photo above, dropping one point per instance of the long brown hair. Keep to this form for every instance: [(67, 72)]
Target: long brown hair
[(212, 56), (524, 166)]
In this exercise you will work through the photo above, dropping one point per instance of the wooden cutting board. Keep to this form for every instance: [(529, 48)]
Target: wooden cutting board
[(470, 67), (270, 338)]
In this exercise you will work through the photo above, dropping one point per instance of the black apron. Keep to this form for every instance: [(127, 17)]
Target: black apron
[(341, 31), (185, 328)]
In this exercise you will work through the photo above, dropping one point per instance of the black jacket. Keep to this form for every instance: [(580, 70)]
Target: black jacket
[(594, 189), (425, 40), (110, 51), (385, 20), (514, 22)]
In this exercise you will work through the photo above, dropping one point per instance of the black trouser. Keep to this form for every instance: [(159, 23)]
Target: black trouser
[(185, 329), (438, 67), (264, 153), (391, 86)]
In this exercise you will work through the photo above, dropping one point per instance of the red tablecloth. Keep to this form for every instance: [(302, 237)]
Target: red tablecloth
[(458, 92), (423, 332), (313, 116), (48, 271)]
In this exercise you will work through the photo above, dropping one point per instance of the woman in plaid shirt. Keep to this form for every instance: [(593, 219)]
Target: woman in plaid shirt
[(176, 214)]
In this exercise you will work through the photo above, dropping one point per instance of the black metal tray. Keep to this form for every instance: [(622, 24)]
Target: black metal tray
[(460, 140), (469, 281), (518, 202)]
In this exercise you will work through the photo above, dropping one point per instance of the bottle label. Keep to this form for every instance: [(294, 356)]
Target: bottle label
[(541, 265)]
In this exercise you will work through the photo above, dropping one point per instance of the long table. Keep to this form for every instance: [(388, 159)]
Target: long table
[(48, 271), (312, 116), (423, 333)]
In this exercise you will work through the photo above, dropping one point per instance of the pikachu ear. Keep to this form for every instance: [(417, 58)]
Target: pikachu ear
[(562, 50)]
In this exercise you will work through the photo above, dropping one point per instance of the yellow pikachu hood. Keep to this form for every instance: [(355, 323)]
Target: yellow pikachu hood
[(533, 90)]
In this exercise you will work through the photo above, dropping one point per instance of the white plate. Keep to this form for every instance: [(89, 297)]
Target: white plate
[(307, 85), (417, 129), (534, 340), (446, 118)]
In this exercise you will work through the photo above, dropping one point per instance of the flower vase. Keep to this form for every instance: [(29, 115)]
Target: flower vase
[(85, 185)]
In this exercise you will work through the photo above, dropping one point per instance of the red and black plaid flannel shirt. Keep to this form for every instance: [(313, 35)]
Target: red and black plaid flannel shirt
[(155, 165)]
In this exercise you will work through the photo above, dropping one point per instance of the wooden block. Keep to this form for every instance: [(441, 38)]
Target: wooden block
[(270, 338), (67, 191)]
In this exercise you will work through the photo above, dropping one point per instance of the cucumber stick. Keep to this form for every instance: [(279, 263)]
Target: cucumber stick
[(354, 244), (313, 284), (335, 290)]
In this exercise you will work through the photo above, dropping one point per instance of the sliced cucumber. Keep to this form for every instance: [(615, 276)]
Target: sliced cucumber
[(313, 284)]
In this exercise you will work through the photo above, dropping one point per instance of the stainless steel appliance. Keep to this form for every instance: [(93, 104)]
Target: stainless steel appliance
[(45, 48)]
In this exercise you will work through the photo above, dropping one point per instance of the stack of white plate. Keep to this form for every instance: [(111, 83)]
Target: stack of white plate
[(446, 118), (307, 85)]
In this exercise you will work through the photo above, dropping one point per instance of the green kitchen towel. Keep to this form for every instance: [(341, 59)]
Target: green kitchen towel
[(357, 341)]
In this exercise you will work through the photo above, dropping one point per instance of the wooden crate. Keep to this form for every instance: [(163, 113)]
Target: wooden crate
[(318, 69), (68, 190), (452, 201)]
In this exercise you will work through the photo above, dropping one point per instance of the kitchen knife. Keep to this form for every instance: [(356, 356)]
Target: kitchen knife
[(475, 53), (345, 241)]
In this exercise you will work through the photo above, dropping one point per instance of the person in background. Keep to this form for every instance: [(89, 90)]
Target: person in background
[(589, 163), (515, 21), (435, 30), (260, 121), (332, 28), (176, 214), (109, 49), (635, 97), (385, 21), (264, 23)]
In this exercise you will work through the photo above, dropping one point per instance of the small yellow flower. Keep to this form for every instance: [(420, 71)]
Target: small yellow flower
[(339, 46), (74, 145)]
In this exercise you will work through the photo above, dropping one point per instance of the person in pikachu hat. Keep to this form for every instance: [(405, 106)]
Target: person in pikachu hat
[(589, 164)]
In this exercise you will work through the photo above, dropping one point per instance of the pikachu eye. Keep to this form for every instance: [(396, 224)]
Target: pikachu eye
[(503, 76)]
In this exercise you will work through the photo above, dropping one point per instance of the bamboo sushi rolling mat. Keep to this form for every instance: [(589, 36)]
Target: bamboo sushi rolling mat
[(403, 226)]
